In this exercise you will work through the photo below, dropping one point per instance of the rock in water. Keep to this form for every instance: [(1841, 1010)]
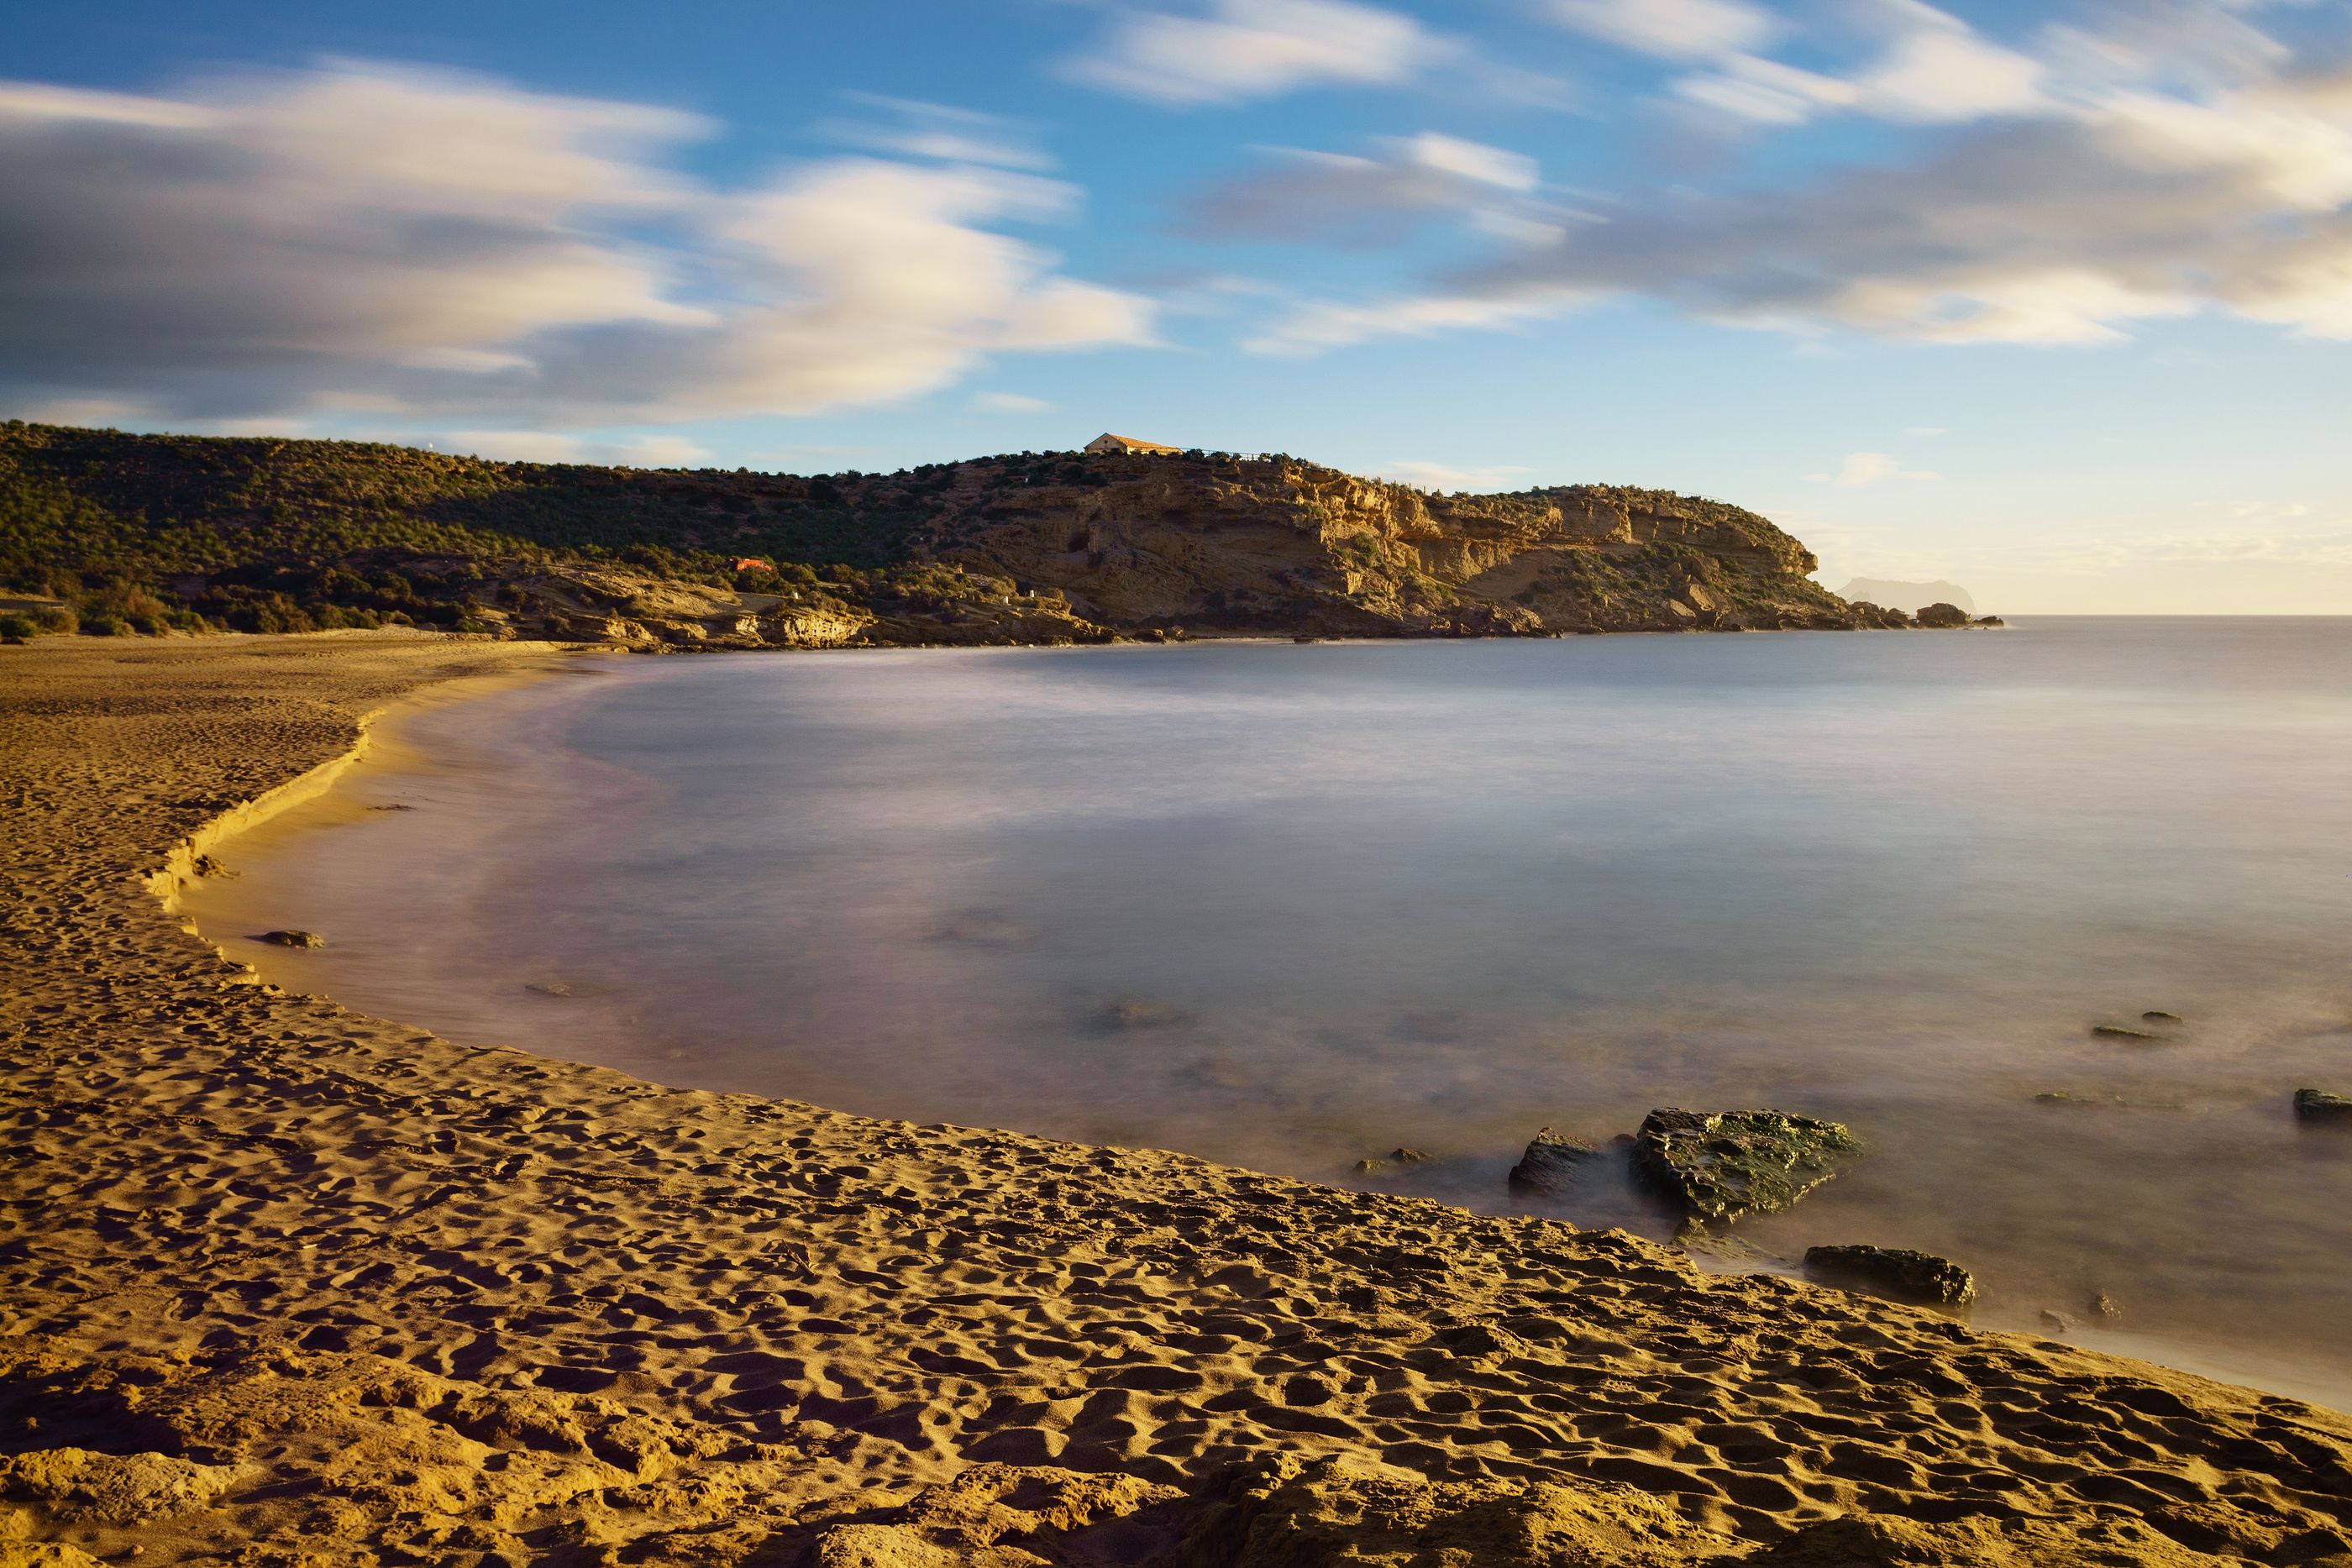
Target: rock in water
[(1942, 615), (1896, 1271), (2319, 1105), (293, 939), (1723, 1164), (1551, 1163)]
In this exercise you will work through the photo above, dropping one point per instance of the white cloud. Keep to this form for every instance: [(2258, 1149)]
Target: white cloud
[(1924, 430), (1674, 29), (910, 128), (1319, 325), (1444, 477), (2068, 225), (1862, 468), (1254, 49), (1376, 199), (1748, 87), (1009, 403), (1950, 73), (1933, 69), (362, 238)]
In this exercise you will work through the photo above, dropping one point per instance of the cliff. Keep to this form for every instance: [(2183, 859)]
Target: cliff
[(127, 533)]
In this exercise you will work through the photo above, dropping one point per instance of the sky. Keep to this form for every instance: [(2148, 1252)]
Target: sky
[(2051, 301)]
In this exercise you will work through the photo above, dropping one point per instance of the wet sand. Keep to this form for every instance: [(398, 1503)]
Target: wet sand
[(283, 1284)]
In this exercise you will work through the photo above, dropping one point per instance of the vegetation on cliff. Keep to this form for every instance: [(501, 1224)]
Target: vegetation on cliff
[(111, 533)]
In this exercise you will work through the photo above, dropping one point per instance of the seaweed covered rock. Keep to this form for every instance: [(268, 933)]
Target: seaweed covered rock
[(1551, 1162), (1722, 1164), (1894, 1272), (2319, 1105)]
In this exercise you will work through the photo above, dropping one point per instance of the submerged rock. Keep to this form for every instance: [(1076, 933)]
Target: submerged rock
[(2120, 1032), (2156, 1015), (2319, 1105), (1551, 1162), (292, 939), (1722, 1164), (1407, 1156), (1896, 1271)]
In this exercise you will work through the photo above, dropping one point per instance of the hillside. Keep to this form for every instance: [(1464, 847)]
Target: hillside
[(116, 533)]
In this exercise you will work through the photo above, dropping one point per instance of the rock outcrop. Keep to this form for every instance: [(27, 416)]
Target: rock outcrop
[(1721, 1165), (1551, 1163), (2319, 1105), (1896, 1271)]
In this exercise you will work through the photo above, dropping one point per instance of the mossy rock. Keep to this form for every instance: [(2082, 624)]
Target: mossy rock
[(1722, 1164), (2319, 1105), (1896, 1271)]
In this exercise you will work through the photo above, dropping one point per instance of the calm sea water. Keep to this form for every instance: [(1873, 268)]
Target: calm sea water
[(1294, 907)]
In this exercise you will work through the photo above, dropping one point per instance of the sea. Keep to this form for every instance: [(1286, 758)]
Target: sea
[(1301, 906)]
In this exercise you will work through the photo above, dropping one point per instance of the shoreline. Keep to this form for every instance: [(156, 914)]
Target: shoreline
[(392, 761), (344, 1263)]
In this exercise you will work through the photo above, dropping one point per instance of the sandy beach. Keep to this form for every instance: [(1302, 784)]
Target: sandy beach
[(285, 1284)]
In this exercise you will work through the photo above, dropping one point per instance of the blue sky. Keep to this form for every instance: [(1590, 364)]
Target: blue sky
[(2055, 301)]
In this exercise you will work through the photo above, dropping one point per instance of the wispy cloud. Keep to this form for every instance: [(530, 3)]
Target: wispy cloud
[(1240, 49), (1317, 326), (910, 128), (1008, 402), (1672, 29), (362, 237), (1379, 198), (1445, 476), (1861, 468), (2060, 189)]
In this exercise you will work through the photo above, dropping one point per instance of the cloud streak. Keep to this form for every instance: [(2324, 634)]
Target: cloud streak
[(2046, 200), (1242, 49), (365, 238)]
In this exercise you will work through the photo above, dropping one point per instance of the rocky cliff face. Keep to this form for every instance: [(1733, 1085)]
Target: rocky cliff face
[(1222, 546)]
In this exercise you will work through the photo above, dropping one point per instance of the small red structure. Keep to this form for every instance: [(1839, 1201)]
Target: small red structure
[(755, 563)]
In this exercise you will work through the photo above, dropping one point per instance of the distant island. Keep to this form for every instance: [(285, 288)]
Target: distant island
[(107, 533), (1911, 596)]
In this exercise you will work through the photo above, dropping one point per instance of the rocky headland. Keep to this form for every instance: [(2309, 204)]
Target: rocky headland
[(127, 534)]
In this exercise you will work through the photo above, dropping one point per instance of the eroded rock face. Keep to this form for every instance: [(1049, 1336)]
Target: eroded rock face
[(1722, 1164), (1551, 1163), (1894, 1271), (1282, 546)]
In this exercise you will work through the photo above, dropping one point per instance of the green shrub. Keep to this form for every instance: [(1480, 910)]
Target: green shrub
[(18, 627), (105, 624)]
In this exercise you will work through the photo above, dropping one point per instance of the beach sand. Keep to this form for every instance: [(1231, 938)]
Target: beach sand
[(284, 1284)]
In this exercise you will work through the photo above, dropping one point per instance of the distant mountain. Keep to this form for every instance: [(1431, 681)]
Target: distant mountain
[(1908, 596)]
